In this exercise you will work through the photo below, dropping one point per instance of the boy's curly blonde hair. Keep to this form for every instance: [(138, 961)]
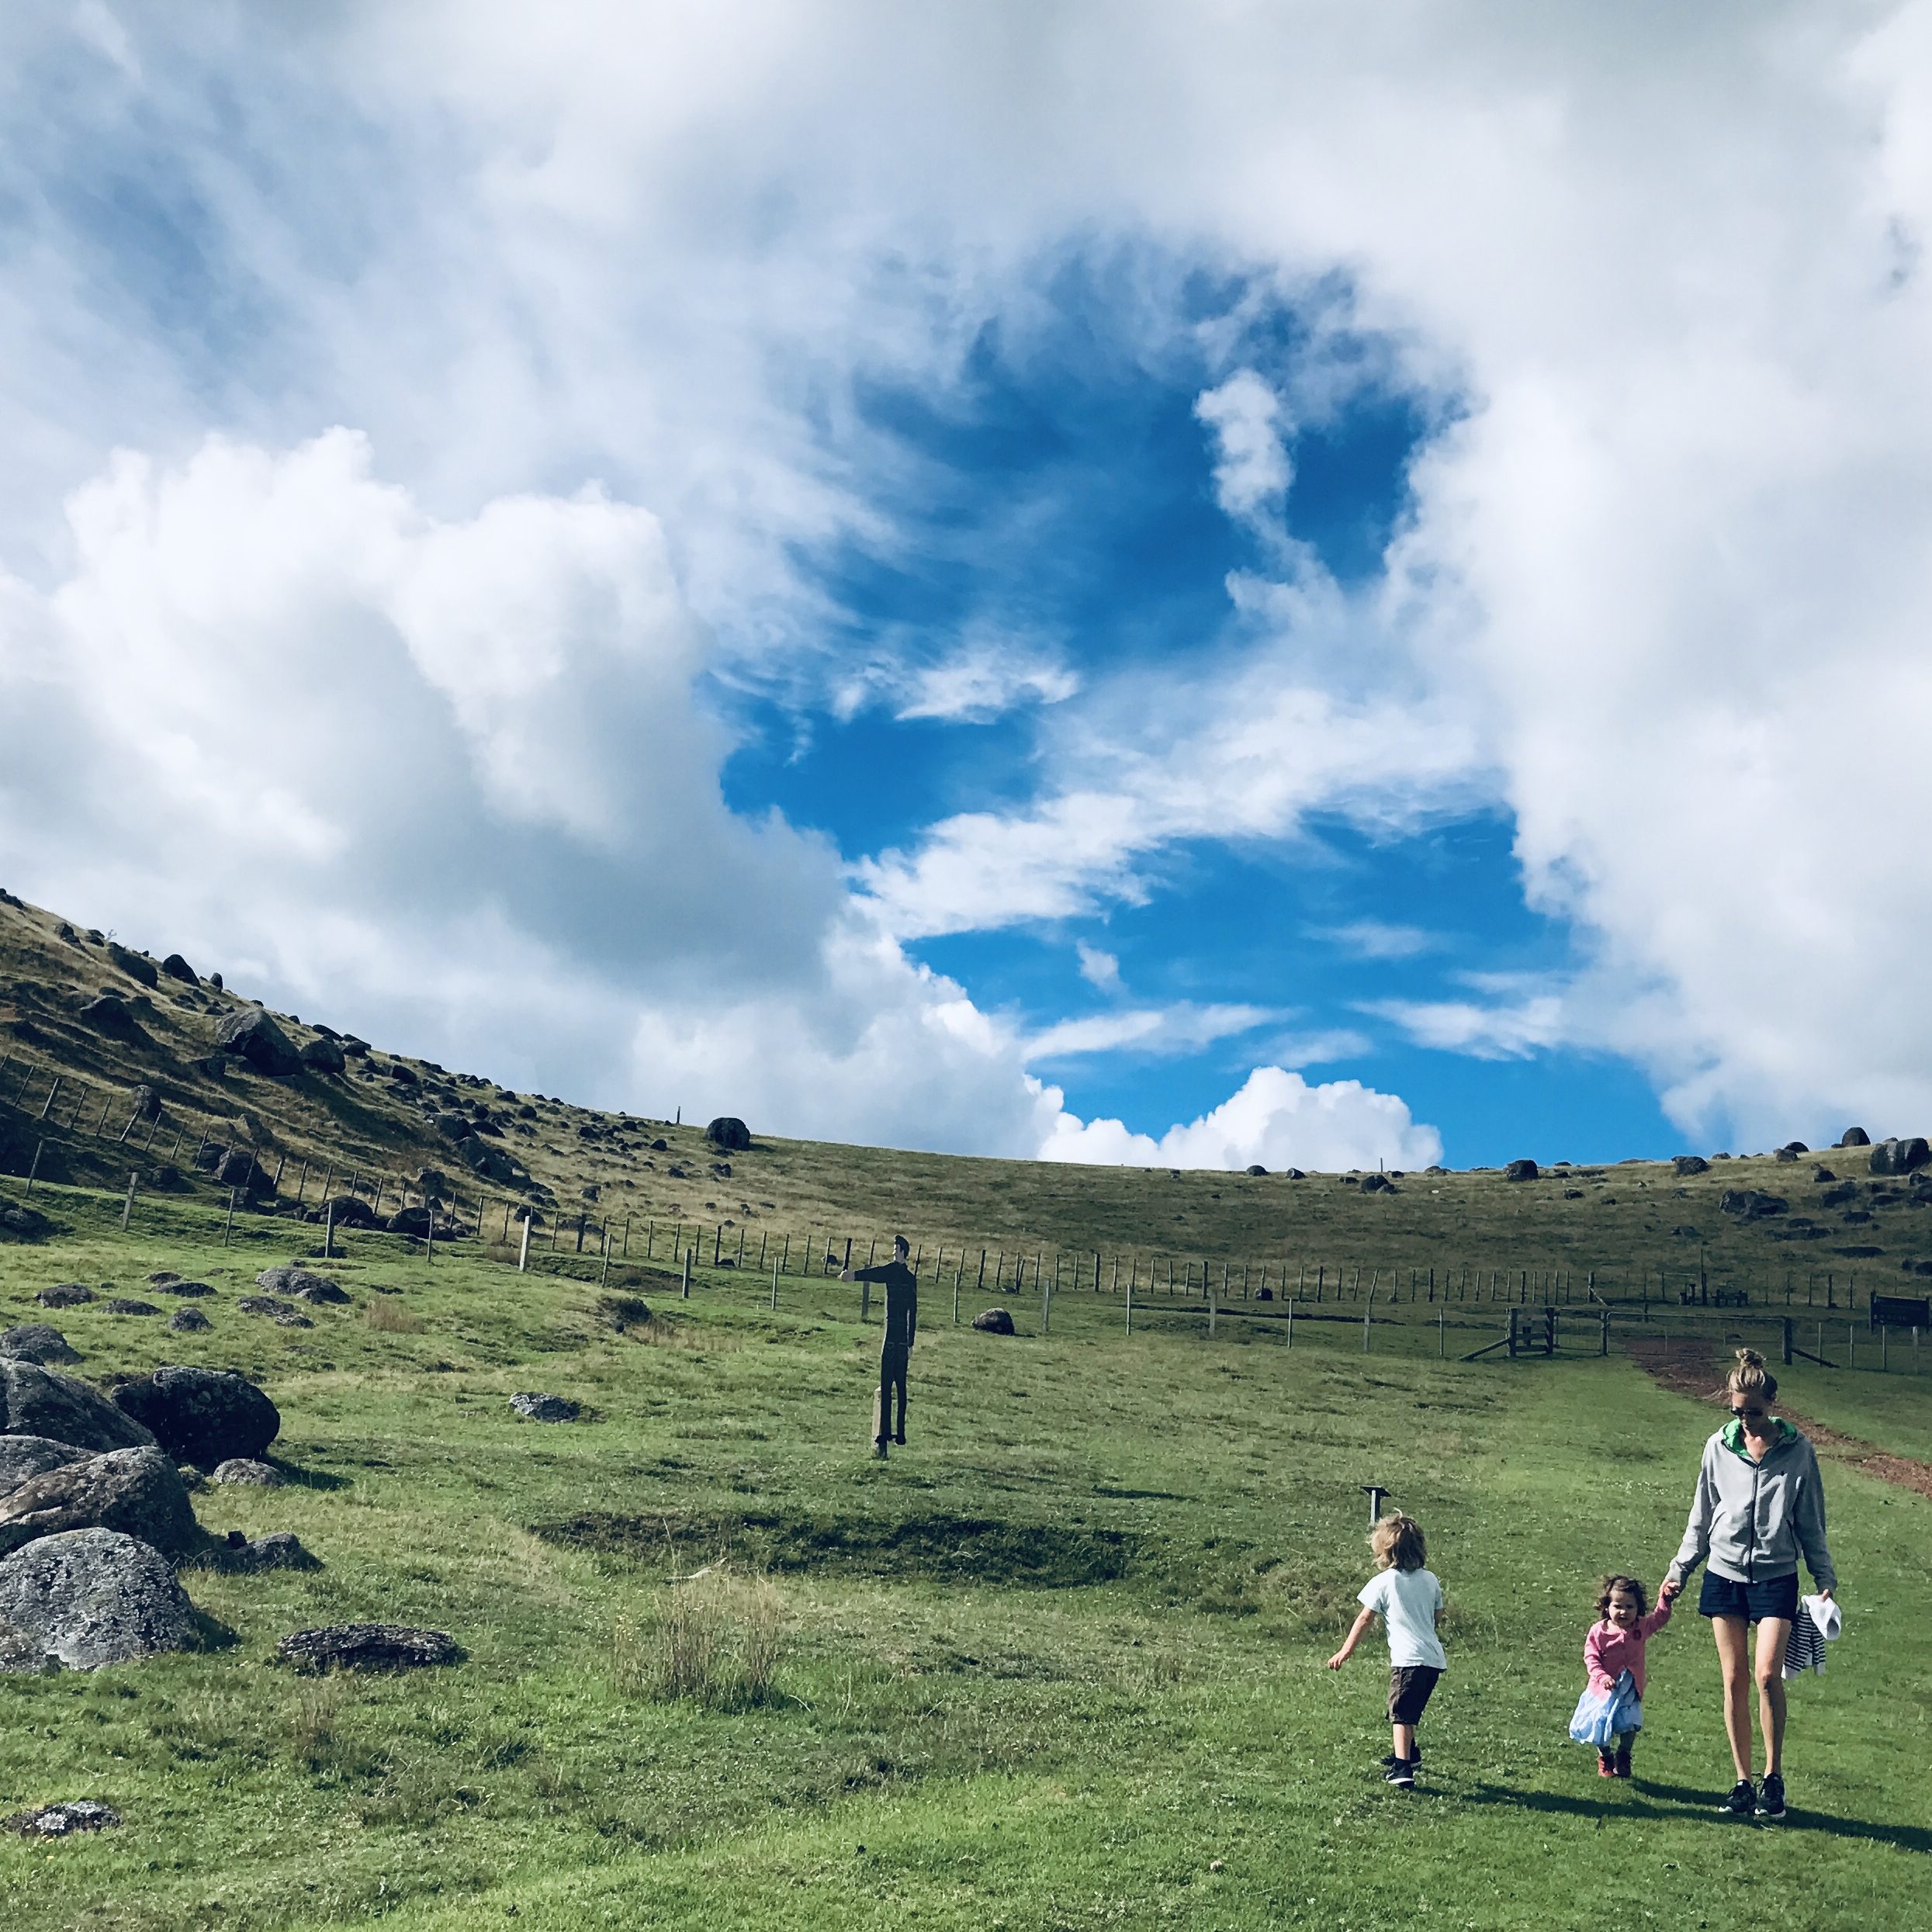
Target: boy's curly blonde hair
[(1398, 1542)]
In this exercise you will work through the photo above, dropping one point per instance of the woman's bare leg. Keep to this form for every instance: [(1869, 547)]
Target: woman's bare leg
[(1773, 1634), (1733, 1654)]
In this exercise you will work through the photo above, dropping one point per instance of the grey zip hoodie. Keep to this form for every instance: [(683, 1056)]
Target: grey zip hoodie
[(1752, 1519)]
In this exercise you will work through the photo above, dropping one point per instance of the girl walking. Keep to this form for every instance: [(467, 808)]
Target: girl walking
[(1625, 1625), (1759, 1504)]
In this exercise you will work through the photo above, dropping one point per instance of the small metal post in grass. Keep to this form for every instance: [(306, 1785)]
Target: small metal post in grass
[(1046, 1305), (127, 1207), (523, 1249), (685, 1290), (34, 1166), (603, 1273), (959, 1275), (1291, 1320), (429, 1227), (762, 1235), (1368, 1309), (580, 1234), (1207, 1288), (1442, 1331), (1377, 1496), (626, 1253), (1130, 1302)]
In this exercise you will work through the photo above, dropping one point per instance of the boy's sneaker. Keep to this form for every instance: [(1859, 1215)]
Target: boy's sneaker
[(1742, 1803), (1770, 1797), (1402, 1774), (1391, 1760)]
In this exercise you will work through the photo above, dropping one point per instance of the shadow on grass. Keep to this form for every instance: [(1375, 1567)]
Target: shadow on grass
[(298, 1478), (1681, 1801)]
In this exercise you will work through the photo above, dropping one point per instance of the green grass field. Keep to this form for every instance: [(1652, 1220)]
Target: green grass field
[(1057, 1664)]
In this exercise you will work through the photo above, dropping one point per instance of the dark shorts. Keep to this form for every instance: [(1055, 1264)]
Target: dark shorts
[(1726, 1597), (1409, 1688)]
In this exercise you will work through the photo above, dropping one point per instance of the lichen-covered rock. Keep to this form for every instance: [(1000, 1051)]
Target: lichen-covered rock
[(19, 1222), (994, 1321), (255, 1037), (1686, 1165), (301, 1282), (280, 1549), (38, 1341), (202, 1416), (248, 1469), (1520, 1171), (729, 1132), (64, 1820), (285, 1313), (189, 1321), (38, 1401), (65, 1294), (136, 1491), (93, 1597), (129, 1305), (545, 1408), (368, 1646), (25, 1456), (23, 1656)]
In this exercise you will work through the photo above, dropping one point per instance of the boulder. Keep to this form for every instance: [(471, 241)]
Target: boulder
[(176, 967), (65, 1294), (38, 1401), (1293, 1174), (994, 1321), (90, 1596), (127, 1305), (1377, 1184), (252, 1036), (303, 1283), (1686, 1165), (545, 1408), (1685, 1232), (368, 1646), (729, 1132), (249, 1470), (284, 1313), (189, 1321), (18, 1222), (492, 1162), (202, 1416), (23, 1457), (1746, 1203), (135, 965), (412, 1221), (146, 1104), (38, 1341), (238, 1167), (356, 1049), (350, 1211), (1854, 1136), (454, 1127), (1520, 1171), (324, 1056), (1900, 1156), (111, 1015), (23, 1656), (280, 1549), (1785, 1153), (1795, 1147), (138, 1492), (64, 1820), (657, 1147), (188, 1290), (432, 1183), (1255, 1170)]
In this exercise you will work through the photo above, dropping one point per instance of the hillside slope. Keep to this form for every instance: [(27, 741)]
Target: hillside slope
[(379, 1119)]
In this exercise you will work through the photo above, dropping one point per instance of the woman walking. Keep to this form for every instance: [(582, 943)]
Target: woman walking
[(1759, 1505)]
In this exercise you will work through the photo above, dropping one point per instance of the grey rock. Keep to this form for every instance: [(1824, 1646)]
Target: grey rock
[(1785, 1153), (38, 1341), (248, 1469), (188, 1290), (1520, 1171), (64, 1820), (285, 1313), (303, 1283), (19, 1222), (368, 1646), (453, 1127), (202, 1416), (238, 1167), (545, 1408), (433, 1182), (280, 1549), (111, 1015), (253, 1036), (1377, 1184), (189, 1321), (135, 965), (1256, 1170), (138, 1492), (127, 1305), (23, 1656), (146, 1104), (38, 1401), (1686, 1165), (492, 1162), (1746, 1203), (1293, 1174), (324, 1056), (176, 967), (23, 1457), (994, 1321), (728, 1132), (1854, 1136), (1900, 1156), (93, 1597), (350, 1211), (1685, 1232)]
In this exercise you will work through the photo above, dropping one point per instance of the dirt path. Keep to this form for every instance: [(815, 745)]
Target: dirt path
[(1687, 1368)]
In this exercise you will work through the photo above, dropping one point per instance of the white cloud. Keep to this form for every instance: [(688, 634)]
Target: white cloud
[(1378, 939), (1276, 1119), (1512, 1032), (981, 682), (1181, 1028), (1251, 468), (1098, 968)]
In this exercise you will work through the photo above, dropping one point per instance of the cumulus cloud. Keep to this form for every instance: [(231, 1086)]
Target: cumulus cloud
[(1276, 1118), (1251, 466)]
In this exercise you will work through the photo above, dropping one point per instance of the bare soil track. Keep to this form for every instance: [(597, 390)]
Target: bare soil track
[(1687, 1368)]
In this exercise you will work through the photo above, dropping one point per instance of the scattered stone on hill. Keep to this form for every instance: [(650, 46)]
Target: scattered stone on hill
[(38, 1341), (23, 1656), (66, 932), (594, 1192), (255, 1037), (284, 1313), (303, 1283), (1822, 1173), (1377, 1184), (545, 1408), (279, 1549), (1520, 1171), (355, 1049), (1685, 1165), (189, 1321), (65, 1294), (239, 1168), (176, 967), (127, 1305), (728, 1132), (1783, 1154), (38, 1401), (324, 1056), (1293, 1174), (1573, 1194), (1255, 1170), (350, 1211), (660, 1147), (63, 1820), (1685, 1232), (368, 1646), (146, 1104), (1899, 1155), (1836, 1196), (111, 1015), (248, 1469), (1916, 1267), (721, 1170), (214, 980), (492, 1162), (1854, 1136), (135, 965), (432, 1183), (455, 1126), (1859, 1251), (1746, 1203), (23, 1457), (166, 1178), (93, 1597), (674, 1172), (18, 1222), (994, 1321), (202, 1416), (138, 1492), (188, 1290)]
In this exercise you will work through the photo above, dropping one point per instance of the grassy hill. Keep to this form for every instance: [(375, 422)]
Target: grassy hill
[(1635, 1224)]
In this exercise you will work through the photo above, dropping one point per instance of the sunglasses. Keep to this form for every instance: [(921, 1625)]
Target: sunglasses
[(1750, 1415)]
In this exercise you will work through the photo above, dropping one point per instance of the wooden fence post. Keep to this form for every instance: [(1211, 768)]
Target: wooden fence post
[(685, 1291), (34, 1166), (229, 1224), (128, 1206), (522, 1247)]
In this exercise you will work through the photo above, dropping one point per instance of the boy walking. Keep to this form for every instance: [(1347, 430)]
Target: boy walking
[(1406, 1597)]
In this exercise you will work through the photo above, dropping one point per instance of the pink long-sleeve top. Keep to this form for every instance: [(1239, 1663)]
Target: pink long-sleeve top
[(1607, 1652)]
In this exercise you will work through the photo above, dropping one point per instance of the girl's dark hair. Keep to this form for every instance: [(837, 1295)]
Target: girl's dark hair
[(1613, 1583)]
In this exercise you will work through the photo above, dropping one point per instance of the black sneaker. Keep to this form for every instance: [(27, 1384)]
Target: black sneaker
[(1770, 1797), (1415, 1763), (1401, 1773), (1742, 1803)]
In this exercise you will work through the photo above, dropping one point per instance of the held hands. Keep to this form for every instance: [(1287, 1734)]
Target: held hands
[(1668, 1592)]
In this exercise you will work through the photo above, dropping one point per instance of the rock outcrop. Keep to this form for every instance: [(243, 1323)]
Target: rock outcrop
[(93, 1597)]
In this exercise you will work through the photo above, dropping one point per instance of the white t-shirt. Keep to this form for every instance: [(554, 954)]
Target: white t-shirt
[(1407, 1601)]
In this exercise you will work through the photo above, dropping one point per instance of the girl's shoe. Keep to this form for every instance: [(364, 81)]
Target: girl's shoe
[(1606, 1765), (1620, 1765)]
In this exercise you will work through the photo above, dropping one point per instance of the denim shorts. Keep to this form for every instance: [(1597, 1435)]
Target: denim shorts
[(1726, 1597)]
